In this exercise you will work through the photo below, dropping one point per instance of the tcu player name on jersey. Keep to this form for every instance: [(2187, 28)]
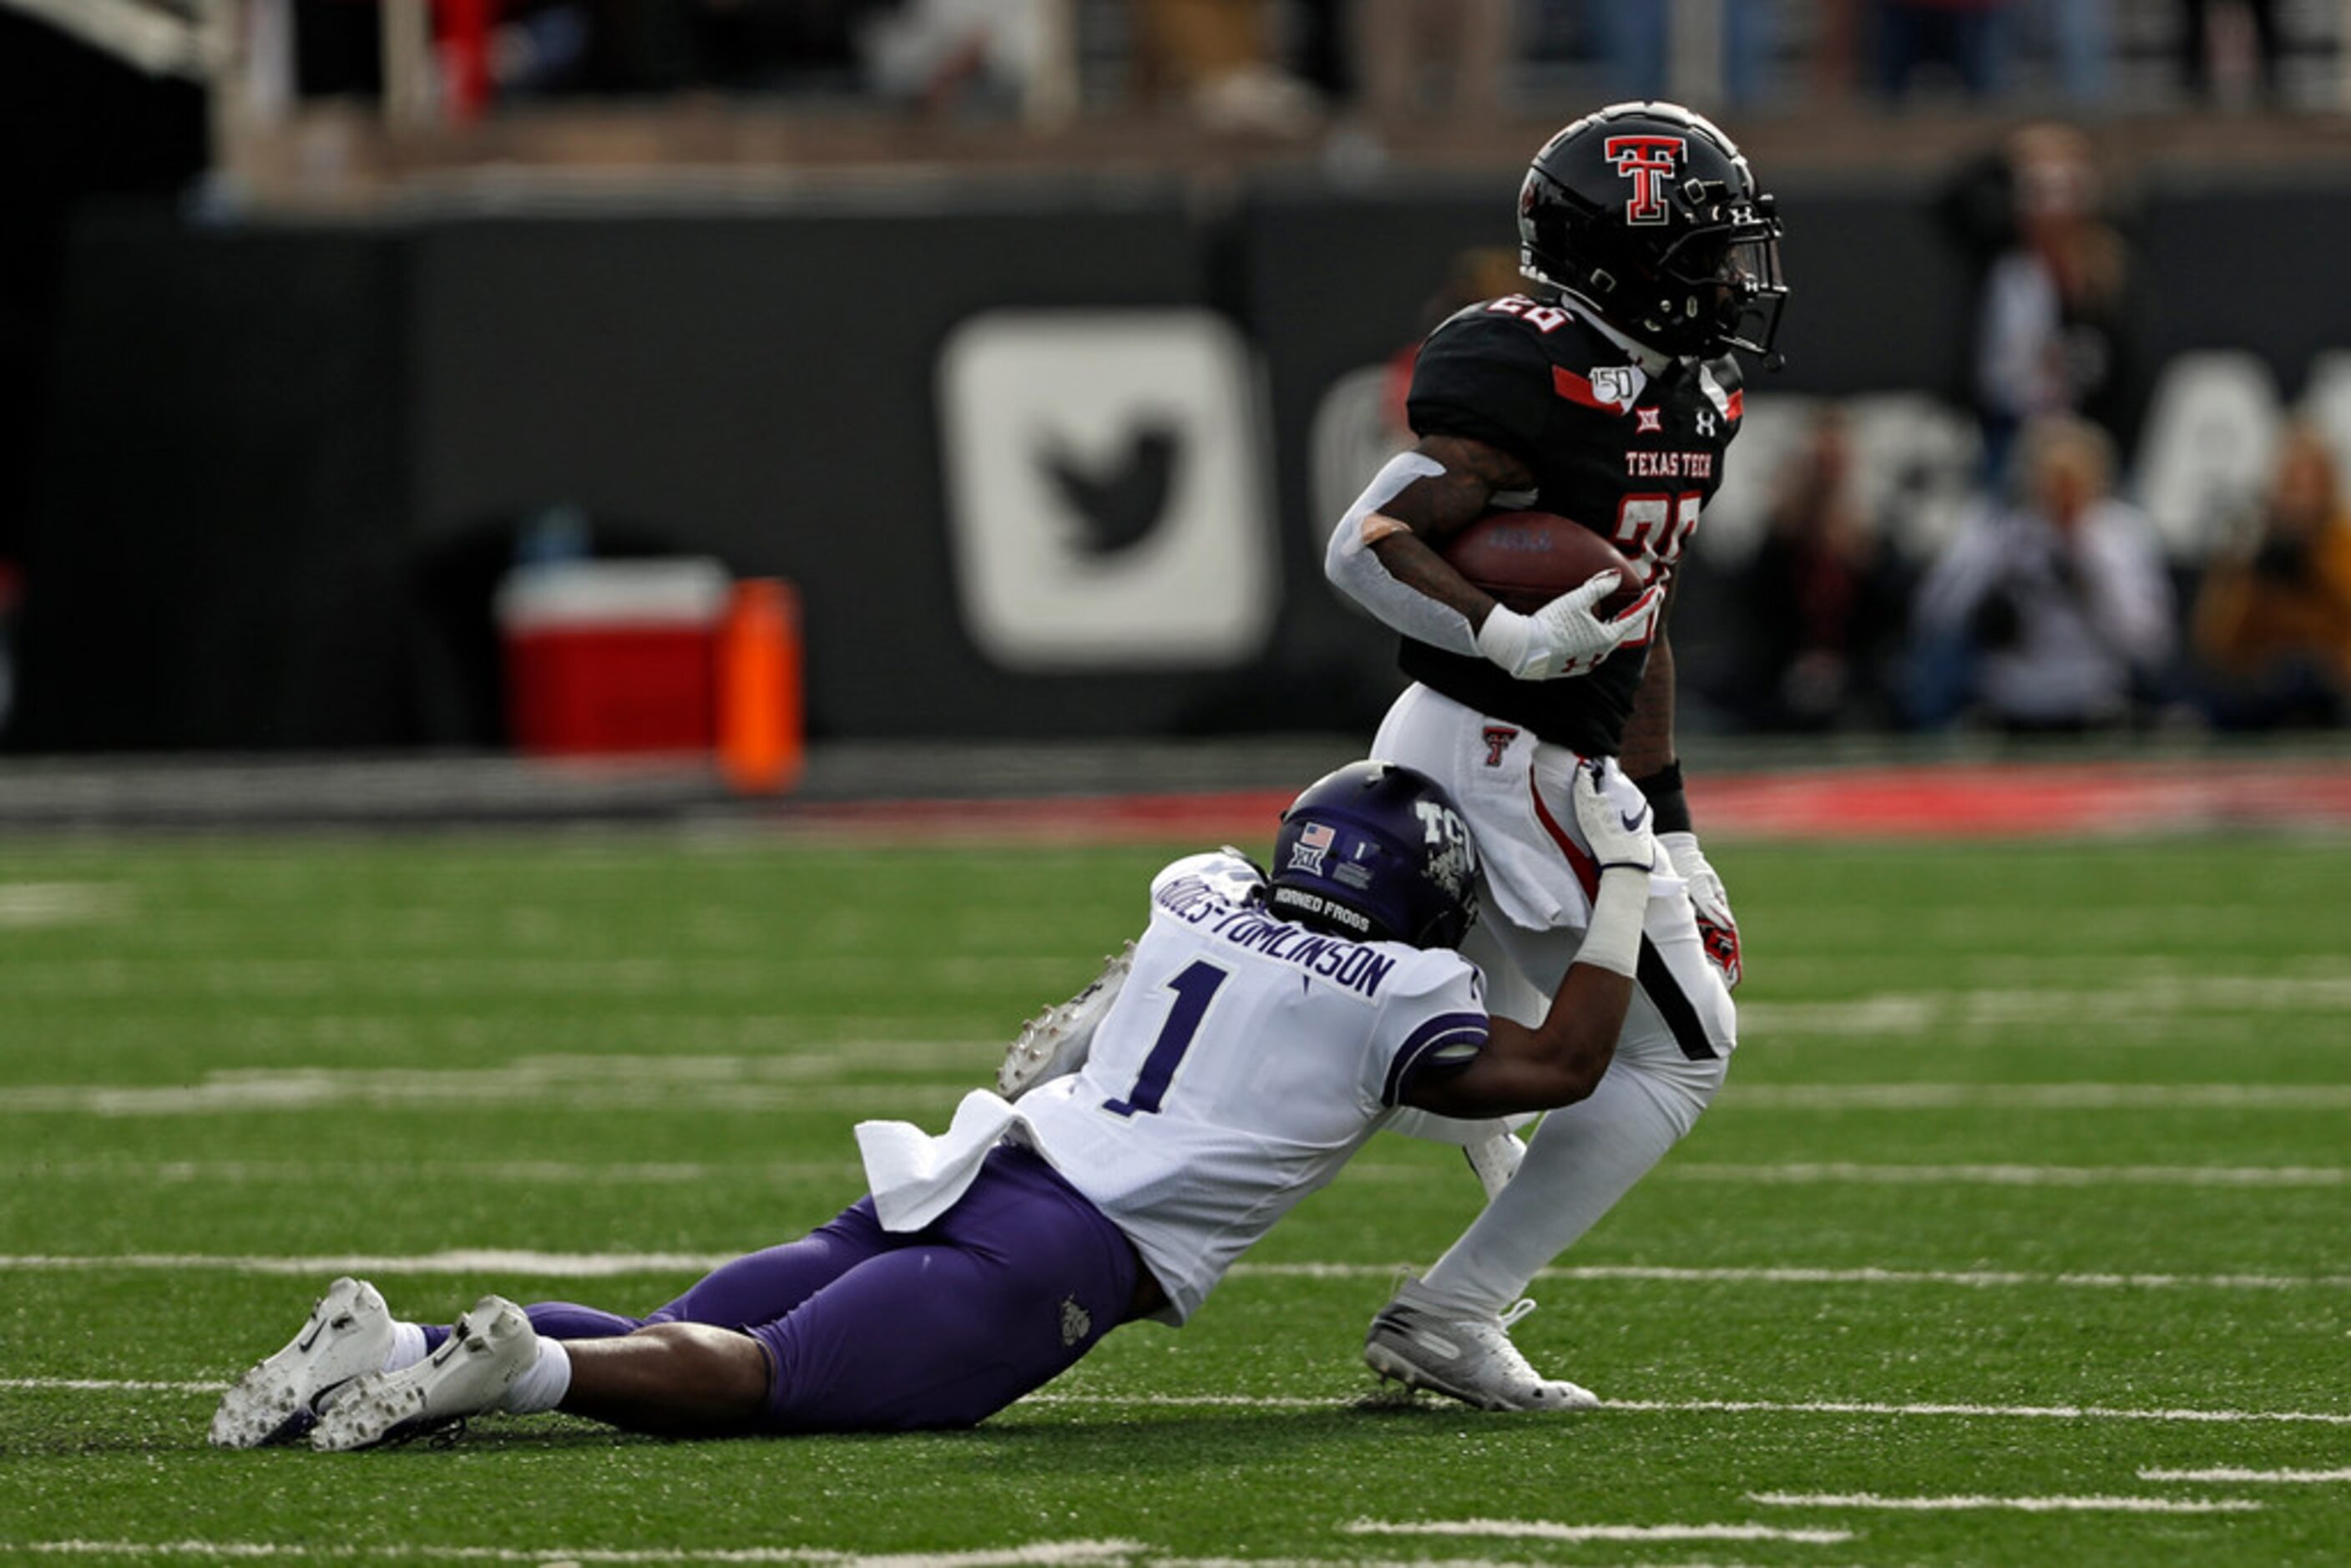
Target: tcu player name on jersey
[(1344, 964)]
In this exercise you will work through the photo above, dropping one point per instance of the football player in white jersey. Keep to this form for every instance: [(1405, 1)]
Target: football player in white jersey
[(1608, 393), (1266, 1028)]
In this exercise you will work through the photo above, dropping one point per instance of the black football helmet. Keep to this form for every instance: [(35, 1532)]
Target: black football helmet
[(1379, 853), (1650, 214)]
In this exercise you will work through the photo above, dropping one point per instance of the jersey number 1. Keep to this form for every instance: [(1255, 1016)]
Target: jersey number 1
[(1194, 987)]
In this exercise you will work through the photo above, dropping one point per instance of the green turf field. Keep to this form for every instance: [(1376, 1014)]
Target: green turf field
[(2022, 1234)]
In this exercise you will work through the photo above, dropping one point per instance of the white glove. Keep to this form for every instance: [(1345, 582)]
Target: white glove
[(1564, 637), (1715, 925), (1616, 838)]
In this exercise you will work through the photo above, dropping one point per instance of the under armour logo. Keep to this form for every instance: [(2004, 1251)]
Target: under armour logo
[(1705, 422), (1497, 741)]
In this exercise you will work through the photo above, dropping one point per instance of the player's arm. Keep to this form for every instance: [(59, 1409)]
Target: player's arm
[(1561, 1060), (1384, 555)]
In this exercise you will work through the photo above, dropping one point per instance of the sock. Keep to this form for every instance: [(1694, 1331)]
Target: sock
[(408, 1346), (1581, 1159), (544, 1385)]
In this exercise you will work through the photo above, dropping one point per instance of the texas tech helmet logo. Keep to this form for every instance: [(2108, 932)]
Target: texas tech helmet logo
[(1648, 161)]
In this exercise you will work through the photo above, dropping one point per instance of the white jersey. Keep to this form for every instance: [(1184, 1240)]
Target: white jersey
[(1246, 1059)]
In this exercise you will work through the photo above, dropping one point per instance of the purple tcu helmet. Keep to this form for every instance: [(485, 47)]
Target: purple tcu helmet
[(1376, 852), (1650, 212)]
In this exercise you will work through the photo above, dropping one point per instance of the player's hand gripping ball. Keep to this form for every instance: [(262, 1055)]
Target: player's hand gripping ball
[(1565, 598)]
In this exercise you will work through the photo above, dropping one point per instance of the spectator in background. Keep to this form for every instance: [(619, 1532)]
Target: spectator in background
[(2051, 321), (1216, 57), (2196, 38), (778, 46), (929, 54), (1973, 37), (1822, 600), (2052, 614), (2272, 622), (1633, 39), (1431, 57), (2082, 37)]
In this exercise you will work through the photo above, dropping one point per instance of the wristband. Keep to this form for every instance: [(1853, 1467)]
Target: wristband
[(1503, 637), (1613, 941), (1664, 789)]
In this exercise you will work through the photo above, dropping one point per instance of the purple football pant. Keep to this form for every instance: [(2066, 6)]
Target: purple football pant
[(870, 1331)]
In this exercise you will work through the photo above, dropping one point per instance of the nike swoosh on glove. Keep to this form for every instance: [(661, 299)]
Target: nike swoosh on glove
[(1615, 839), (1715, 925)]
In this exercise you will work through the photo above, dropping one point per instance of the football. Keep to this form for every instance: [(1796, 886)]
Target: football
[(1526, 559)]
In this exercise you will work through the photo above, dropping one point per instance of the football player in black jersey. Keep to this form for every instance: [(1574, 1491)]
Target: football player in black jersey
[(1607, 393)]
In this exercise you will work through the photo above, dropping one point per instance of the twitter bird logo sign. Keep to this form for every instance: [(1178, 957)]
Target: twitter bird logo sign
[(1107, 490), (1121, 504)]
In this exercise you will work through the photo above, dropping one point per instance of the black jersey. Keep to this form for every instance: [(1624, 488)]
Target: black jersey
[(1630, 454)]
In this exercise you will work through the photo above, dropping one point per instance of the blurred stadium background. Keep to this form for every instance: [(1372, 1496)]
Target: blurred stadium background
[(352, 352)]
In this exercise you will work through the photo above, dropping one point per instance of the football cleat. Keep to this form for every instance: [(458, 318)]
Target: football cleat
[(1465, 1357), (490, 1346), (1495, 1160), (1055, 1042), (349, 1335)]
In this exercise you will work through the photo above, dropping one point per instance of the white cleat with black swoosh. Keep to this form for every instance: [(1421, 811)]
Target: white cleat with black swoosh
[(348, 1334), (469, 1374), (1468, 1357)]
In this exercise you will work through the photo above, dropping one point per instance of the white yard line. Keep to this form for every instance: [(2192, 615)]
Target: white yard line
[(2035, 1096), (108, 1385), (1768, 1407), (32, 906), (608, 1265), (1553, 1530), (1389, 1563), (1993, 1412), (787, 1081), (242, 1094), (1041, 1554), (673, 1173), (309, 1173), (2012, 1504), (2166, 1002), (2230, 1473), (1972, 1278), (1799, 1174), (458, 1260), (1342, 1402)]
